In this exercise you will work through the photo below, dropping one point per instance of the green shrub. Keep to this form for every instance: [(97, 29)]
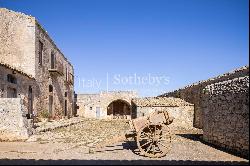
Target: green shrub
[(44, 114)]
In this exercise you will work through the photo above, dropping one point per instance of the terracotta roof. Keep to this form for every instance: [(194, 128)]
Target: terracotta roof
[(160, 102), (15, 69)]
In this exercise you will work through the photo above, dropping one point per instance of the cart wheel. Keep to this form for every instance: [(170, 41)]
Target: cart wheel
[(154, 140)]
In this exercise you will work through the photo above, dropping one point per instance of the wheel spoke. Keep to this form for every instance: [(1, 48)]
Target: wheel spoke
[(145, 138), (154, 140), (146, 134), (153, 147), (158, 132), (155, 130), (165, 139), (146, 143), (150, 129), (150, 146), (163, 145)]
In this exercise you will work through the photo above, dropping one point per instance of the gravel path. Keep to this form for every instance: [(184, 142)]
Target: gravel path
[(72, 145)]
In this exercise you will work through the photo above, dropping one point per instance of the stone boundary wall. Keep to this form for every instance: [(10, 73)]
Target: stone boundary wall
[(226, 115), (180, 110), (183, 116), (14, 126), (194, 93)]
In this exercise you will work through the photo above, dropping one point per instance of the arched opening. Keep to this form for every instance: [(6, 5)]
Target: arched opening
[(119, 109)]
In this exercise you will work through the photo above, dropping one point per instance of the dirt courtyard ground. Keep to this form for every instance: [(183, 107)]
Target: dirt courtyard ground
[(74, 144)]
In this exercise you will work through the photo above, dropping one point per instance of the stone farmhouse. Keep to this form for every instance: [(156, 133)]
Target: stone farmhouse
[(128, 105), (106, 105), (219, 106), (33, 68), (27, 47), (36, 79)]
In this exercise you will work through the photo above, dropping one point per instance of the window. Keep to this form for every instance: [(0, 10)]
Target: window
[(11, 93), (11, 79), (30, 89), (90, 108), (66, 94), (52, 60), (50, 88), (40, 53), (66, 73), (65, 108)]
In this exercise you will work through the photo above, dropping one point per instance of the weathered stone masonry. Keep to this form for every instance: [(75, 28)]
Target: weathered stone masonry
[(13, 122), (15, 104), (194, 93), (127, 105), (106, 105), (26, 46), (14, 83), (226, 114), (222, 109), (180, 110)]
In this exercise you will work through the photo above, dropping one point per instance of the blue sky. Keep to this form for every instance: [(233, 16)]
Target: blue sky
[(152, 46)]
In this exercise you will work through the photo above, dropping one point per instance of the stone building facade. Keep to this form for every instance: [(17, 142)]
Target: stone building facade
[(106, 105), (226, 114), (194, 93), (15, 103), (14, 83), (180, 110), (127, 105), (27, 47)]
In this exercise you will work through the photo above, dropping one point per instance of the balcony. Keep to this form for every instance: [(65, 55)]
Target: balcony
[(56, 69), (70, 79)]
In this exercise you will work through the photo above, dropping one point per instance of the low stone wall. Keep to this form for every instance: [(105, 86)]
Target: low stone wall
[(194, 93), (14, 126), (183, 116), (226, 114), (180, 110)]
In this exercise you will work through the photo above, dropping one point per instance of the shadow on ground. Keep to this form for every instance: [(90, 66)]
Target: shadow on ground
[(198, 137), (131, 145), (115, 162)]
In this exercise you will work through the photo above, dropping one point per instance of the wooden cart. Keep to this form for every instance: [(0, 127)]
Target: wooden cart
[(152, 134)]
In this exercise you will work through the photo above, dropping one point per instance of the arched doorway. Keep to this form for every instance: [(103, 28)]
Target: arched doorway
[(119, 109)]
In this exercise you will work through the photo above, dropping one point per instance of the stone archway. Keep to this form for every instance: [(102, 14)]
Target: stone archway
[(119, 109)]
